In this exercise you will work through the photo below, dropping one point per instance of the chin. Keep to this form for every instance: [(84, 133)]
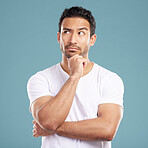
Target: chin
[(70, 55)]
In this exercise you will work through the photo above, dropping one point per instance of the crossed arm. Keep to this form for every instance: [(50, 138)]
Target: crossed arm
[(50, 113), (102, 128)]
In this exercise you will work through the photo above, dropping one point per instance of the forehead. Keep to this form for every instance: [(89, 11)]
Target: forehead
[(75, 23)]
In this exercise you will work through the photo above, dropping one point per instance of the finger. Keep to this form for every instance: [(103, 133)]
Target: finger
[(76, 55), (34, 131), (33, 121), (83, 60), (34, 126), (35, 135)]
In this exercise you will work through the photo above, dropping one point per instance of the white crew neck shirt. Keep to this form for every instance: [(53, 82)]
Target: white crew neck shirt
[(97, 87)]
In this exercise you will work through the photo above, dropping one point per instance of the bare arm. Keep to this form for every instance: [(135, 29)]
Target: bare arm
[(102, 128), (51, 112)]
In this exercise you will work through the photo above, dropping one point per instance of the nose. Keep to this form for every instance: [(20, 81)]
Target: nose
[(73, 39)]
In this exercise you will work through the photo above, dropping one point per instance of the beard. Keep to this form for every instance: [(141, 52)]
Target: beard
[(70, 54)]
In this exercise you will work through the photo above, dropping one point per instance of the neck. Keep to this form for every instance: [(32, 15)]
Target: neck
[(64, 65)]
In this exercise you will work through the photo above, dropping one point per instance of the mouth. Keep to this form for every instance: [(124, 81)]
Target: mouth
[(72, 49)]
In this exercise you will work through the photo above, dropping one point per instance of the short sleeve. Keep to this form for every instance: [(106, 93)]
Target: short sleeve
[(112, 90), (38, 86)]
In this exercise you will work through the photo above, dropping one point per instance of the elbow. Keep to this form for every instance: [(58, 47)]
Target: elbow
[(110, 134), (49, 124), (109, 137), (107, 134)]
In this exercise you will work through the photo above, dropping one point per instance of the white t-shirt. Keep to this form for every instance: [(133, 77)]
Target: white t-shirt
[(97, 87)]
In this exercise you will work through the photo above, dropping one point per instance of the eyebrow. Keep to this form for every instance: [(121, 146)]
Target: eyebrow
[(66, 29), (83, 28)]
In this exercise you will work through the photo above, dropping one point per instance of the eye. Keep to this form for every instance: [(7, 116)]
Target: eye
[(66, 32), (81, 33)]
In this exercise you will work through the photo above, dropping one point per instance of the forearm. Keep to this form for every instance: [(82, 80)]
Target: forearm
[(103, 127), (55, 111), (92, 129)]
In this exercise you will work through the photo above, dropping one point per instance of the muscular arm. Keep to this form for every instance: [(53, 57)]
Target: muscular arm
[(102, 128), (50, 112)]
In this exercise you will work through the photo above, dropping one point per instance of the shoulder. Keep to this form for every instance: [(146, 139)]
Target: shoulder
[(105, 73), (107, 77), (44, 76), (39, 84), (111, 86)]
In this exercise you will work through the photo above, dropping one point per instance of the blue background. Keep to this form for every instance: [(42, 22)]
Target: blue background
[(28, 43)]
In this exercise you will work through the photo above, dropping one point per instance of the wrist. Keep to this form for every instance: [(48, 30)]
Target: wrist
[(59, 130), (75, 76)]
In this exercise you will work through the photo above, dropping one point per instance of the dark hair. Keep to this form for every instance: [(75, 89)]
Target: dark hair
[(79, 12)]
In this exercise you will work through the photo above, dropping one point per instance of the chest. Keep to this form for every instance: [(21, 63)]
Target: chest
[(86, 99)]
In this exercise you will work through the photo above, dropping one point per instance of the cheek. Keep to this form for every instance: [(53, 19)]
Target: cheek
[(86, 42), (63, 41)]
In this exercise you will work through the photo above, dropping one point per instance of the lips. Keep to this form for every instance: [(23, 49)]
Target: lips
[(72, 48)]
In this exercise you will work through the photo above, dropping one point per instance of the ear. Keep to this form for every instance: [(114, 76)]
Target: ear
[(93, 39), (58, 37)]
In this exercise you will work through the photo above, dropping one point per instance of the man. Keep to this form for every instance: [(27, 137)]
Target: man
[(76, 103)]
